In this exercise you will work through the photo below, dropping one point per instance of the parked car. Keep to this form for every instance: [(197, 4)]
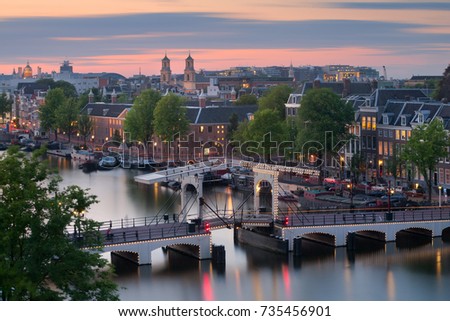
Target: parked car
[(379, 187)]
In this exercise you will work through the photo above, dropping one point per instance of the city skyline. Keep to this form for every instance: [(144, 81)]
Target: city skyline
[(112, 36)]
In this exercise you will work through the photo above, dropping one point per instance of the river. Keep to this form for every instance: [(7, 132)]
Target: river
[(388, 273)]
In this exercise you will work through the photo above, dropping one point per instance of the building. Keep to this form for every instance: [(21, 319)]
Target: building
[(107, 119)]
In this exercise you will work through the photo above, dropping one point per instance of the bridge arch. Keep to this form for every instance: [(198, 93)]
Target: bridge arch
[(412, 236), (446, 234), (200, 242), (271, 177), (263, 186), (320, 237)]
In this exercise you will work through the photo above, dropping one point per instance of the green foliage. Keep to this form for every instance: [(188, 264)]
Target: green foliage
[(5, 105), (54, 100), (67, 115), (443, 87), (170, 118), (85, 126), (67, 88), (139, 120), (323, 113), (275, 99), (263, 134), (246, 100), (428, 143), (39, 260), (233, 125)]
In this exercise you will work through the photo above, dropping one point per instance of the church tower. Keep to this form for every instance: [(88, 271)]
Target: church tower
[(166, 73), (189, 75)]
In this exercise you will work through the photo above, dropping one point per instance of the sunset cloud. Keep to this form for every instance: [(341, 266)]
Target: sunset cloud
[(117, 34)]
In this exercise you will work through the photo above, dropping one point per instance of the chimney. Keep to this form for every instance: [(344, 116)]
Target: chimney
[(316, 83), (91, 97), (113, 97), (202, 100), (346, 90), (374, 85)]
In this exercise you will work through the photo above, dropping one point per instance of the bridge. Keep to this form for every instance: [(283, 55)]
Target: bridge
[(275, 230)]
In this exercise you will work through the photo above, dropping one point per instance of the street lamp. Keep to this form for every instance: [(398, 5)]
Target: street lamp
[(350, 187), (440, 195)]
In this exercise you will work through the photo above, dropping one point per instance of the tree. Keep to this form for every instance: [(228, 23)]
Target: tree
[(67, 116), (68, 89), (233, 123), (85, 127), (39, 260), (275, 99), (246, 100), (394, 163), (427, 144), (48, 112), (170, 120), (5, 106), (263, 134), (443, 88), (139, 120), (322, 122)]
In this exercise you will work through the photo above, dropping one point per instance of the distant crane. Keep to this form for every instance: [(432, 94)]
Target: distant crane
[(385, 73)]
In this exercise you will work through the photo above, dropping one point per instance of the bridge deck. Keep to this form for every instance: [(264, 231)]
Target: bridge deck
[(177, 173)]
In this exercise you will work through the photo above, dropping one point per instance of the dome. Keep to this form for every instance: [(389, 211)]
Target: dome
[(27, 71)]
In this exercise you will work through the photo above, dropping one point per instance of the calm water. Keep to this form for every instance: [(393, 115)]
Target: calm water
[(389, 273)]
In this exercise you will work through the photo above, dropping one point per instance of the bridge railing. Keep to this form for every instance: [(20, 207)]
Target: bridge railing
[(360, 217)]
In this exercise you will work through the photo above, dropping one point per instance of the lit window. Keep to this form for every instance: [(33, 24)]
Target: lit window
[(363, 122), (202, 129)]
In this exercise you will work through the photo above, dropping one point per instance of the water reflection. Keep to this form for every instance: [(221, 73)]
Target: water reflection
[(386, 272)]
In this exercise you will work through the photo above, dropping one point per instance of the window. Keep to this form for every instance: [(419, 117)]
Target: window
[(201, 129), (385, 120), (380, 132), (369, 123), (363, 123), (420, 118), (374, 123), (391, 133), (403, 120), (385, 133), (374, 143), (209, 129), (397, 134), (386, 148), (403, 135), (380, 148), (391, 148)]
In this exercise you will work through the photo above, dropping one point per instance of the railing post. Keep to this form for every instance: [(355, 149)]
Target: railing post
[(121, 222), (150, 233), (145, 221), (133, 222)]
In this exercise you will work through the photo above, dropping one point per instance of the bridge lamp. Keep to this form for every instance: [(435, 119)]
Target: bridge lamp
[(440, 195)]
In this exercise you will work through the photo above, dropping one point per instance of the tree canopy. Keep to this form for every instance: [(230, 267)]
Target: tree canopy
[(246, 100), (443, 88), (170, 117), (54, 100), (67, 115), (68, 89), (262, 135), (275, 99), (322, 121), (5, 105), (139, 120), (428, 143), (39, 259)]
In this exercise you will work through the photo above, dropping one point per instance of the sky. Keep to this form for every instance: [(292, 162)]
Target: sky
[(409, 37)]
